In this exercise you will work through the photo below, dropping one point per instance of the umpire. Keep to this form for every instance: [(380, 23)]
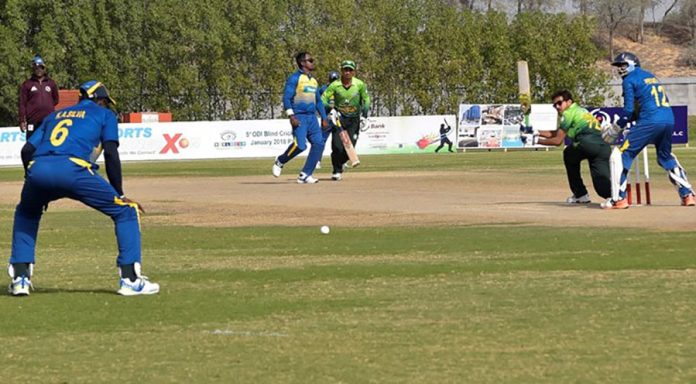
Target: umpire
[(38, 97)]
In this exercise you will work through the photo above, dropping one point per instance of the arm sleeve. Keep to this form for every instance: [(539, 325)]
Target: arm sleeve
[(289, 93), (22, 103), (113, 166), (27, 152)]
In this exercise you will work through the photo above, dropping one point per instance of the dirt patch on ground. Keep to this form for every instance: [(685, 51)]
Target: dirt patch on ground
[(386, 199)]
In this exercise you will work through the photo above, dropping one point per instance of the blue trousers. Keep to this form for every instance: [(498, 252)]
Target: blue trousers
[(638, 138), (309, 129), (53, 178)]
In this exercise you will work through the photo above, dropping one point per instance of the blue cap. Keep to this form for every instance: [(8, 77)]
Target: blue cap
[(37, 60), (95, 90)]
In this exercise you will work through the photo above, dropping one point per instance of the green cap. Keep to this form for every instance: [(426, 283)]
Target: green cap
[(348, 64)]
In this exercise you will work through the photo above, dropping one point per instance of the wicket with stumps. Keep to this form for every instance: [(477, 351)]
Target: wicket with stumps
[(634, 177)]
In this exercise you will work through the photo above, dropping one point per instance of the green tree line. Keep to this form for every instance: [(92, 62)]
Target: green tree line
[(221, 59)]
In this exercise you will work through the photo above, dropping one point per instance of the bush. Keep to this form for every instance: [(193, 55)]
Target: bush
[(688, 57)]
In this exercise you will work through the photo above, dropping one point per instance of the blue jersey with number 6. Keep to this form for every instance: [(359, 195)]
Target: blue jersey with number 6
[(76, 131), (643, 92)]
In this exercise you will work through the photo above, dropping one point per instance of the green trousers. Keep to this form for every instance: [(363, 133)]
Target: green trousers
[(593, 149)]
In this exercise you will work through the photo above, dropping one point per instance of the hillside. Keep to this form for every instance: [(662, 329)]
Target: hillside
[(658, 54)]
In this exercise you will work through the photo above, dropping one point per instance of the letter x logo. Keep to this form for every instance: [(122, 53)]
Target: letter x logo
[(171, 143)]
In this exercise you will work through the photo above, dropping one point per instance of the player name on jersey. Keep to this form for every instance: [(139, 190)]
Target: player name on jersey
[(71, 114)]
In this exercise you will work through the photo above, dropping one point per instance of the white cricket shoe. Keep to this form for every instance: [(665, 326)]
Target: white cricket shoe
[(20, 286), (277, 168), (141, 286), (306, 179), (585, 199), (337, 177)]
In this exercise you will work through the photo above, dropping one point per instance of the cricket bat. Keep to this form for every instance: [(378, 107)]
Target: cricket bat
[(525, 94), (347, 144)]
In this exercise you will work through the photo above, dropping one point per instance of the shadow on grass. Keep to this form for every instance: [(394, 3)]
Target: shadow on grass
[(49, 290)]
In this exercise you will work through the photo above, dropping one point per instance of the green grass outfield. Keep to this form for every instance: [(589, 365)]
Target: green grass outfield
[(466, 304)]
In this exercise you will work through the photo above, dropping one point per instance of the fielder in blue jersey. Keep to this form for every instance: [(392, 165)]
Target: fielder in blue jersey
[(301, 102), (59, 162), (646, 103)]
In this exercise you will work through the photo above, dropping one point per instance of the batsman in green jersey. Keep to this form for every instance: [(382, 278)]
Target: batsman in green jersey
[(584, 132), (350, 100)]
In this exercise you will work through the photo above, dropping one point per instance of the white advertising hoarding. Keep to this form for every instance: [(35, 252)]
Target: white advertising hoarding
[(498, 125), (249, 138)]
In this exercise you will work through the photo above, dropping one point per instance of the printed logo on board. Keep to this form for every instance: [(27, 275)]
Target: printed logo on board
[(174, 143), (227, 141)]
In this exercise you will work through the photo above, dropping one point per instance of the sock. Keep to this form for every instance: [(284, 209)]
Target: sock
[(20, 269), (128, 272)]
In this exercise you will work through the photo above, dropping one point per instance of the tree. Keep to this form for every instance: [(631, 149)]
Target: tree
[(669, 9), (612, 15), (219, 59)]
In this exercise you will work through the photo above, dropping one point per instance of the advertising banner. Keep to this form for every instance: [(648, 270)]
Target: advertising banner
[(405, 134), (499, 125), (252, 138), (610, 115)]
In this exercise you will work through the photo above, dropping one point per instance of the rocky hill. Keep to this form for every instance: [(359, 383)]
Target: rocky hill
[(658, 54)]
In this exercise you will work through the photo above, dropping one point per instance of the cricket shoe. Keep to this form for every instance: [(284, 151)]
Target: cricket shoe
[(688, 200), (306, 179), (20, 286), (611, 204), (337, 177), (584, 199), (141, 286), (277, 168)]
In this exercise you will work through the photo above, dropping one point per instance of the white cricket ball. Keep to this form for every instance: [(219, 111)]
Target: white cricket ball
[(325, 229)]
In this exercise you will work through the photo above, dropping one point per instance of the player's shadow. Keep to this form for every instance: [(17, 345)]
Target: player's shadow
[(554, 204), (49, 290), (277, 182)]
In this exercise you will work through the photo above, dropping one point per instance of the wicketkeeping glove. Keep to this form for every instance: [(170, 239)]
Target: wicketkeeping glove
[(611, 132)]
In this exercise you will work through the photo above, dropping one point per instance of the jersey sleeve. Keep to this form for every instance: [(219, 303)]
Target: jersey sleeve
[(23, 97), (327, 95), (629, 98), (110, 127), (564, 122), (289, 93)]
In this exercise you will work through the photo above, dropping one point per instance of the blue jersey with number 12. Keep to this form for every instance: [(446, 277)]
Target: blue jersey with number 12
[(76, 131), (642, 90)]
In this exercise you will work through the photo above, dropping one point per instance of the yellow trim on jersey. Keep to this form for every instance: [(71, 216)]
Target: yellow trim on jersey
[(624, 146), (119, 201), (294, 146), (30, 163), (85, 164)]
